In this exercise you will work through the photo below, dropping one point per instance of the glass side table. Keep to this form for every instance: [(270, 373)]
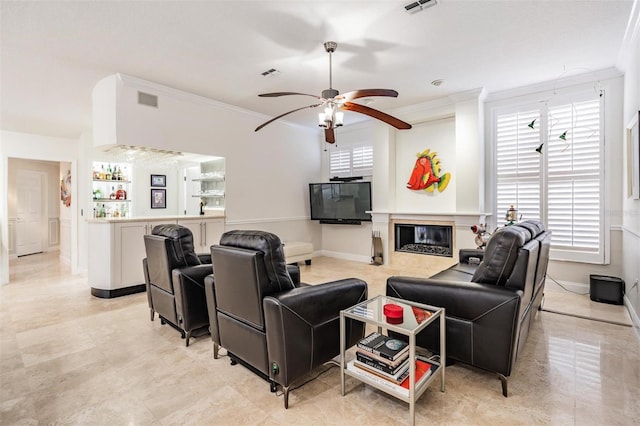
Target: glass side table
[(416, 317)]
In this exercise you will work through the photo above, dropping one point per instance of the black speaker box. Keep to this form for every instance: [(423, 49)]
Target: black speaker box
[(606, 289)]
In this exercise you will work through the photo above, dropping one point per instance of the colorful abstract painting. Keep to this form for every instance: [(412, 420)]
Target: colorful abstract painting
[(427, 173)]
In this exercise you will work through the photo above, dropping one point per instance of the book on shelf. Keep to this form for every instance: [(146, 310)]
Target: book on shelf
[(402, 358), (423, 370), (384, 346), (397, 378), (420, 314), (390, 367), (422, 374)]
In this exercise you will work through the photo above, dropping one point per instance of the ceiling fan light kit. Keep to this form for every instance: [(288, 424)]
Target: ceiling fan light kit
[(417, 6), (334, 103)]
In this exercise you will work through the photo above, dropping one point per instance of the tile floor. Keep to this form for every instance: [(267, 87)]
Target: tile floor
[(67, 357)]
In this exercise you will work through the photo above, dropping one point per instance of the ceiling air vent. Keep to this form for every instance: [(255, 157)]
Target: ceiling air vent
[(419, 5), (147, 99)]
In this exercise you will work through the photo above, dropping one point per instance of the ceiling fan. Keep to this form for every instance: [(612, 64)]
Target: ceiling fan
[(334, 103)]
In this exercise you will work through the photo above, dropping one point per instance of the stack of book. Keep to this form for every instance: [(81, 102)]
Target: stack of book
[(386, 361), (383, 356)]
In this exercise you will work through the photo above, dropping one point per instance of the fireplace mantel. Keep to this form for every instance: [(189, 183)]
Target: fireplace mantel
[(382, 222)]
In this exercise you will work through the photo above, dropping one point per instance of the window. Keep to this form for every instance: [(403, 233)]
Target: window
[(549, 166), (354, 159)]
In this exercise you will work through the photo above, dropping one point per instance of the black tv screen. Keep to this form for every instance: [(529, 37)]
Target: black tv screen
[(337, 202)]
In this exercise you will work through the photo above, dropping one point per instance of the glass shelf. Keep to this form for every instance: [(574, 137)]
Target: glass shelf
[(111, 181), (209, 179)]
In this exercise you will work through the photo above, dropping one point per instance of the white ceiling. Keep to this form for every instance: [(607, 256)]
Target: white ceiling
[(54, 52)]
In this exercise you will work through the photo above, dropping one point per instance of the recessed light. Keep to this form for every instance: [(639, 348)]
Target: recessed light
[(270, 72), (437, 82)]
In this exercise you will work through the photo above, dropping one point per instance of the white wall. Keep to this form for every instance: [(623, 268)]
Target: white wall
[(267, 172), (350, 242), (437, 136), (34, 147), (631, 207)]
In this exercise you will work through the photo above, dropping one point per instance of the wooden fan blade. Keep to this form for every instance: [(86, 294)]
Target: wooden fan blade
[(364, 93), (282, 115), (276, 94), (395, 122), (329, 135)]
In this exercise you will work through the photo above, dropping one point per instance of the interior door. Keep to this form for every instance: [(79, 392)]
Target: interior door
[(29, 212)]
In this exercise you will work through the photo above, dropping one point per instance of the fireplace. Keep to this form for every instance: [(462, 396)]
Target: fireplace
[(434, 240)]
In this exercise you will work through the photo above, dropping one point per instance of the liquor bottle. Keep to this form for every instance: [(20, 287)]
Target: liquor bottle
[(109, 174), (112, 194), (103, 173), (103, 211), (116, 212), (121, 194)]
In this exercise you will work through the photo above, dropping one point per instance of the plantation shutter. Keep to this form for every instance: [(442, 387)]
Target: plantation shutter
[(518, 165), (549, 167), (574, 176), (351, 160)]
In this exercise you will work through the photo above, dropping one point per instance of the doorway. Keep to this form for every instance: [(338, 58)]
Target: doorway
[(29, 210), (38, 222)]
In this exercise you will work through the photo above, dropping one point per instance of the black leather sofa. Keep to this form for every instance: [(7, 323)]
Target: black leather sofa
[(174, 276), (490, 305), (277, 327)]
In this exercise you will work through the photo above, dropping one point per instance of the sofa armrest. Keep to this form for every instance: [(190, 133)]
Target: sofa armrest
[(210, 293), (303, 326), (191, 303), (482, 320), (205, 258), (294, 273), (471, 256), (466, 300)]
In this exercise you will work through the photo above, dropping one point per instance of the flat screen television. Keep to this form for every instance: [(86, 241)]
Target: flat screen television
[(340, 202)]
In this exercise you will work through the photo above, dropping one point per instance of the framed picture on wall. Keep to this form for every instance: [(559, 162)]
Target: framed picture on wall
[(158, 198), (633, 157), (159, 180)]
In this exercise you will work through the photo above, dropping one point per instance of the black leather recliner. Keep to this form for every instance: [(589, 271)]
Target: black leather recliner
[(278, 329), (174, 276), (489, 307)]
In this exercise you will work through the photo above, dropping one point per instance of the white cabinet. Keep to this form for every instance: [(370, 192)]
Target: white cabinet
[(206, 232), (130, 250), (116, 250)]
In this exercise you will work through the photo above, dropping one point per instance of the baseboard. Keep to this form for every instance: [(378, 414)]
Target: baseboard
[(632, 313), (118, 292), (345, 256)]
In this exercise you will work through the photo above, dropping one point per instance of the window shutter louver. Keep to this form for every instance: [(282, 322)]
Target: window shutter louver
[(351, 160), (518, 165), (574, 176), (566, 191)]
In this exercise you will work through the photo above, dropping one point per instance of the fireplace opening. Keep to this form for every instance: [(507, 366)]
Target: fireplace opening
[(435, 240)]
